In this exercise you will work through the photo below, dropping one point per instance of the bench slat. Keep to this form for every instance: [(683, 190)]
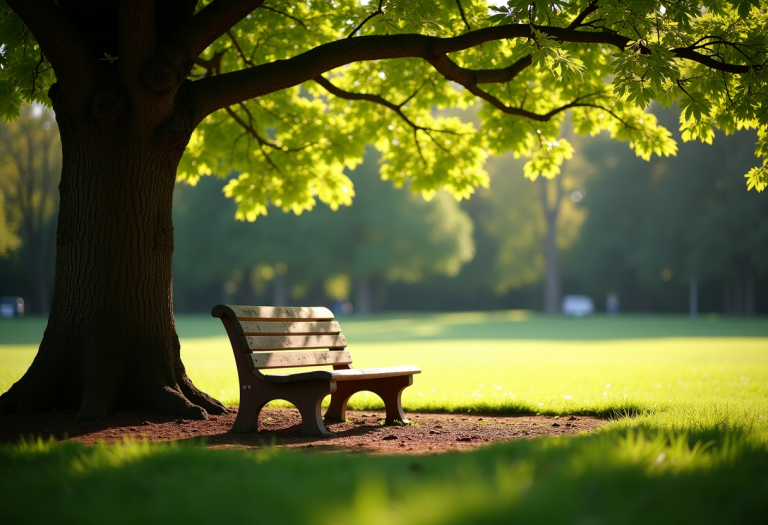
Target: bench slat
[(307, 328), (296, 359), (272, 313), (293, 342)]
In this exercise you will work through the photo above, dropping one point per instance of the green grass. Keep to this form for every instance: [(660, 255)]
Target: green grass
[(613, 477), (695, 450)]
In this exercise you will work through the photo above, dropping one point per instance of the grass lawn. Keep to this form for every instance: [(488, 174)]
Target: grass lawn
[(695, 450)]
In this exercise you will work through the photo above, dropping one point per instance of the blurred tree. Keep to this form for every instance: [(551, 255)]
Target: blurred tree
[(398, 236), (387, 234), (674, 220), (9, 239), (533, 223), (288, 95), (30, 167)]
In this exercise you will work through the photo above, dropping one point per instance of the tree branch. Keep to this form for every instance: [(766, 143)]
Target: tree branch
[(64, 47), (252, 132), (397, 108), (490, 76), (213, 21), (539, 117), (378, 11), (711, 63), (376, 99), (463, 16), (223, 90), (591, 8), (239, 49), (212, 65), (286, 15)]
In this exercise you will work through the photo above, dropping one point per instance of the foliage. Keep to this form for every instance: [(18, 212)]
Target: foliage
[(529, 63)]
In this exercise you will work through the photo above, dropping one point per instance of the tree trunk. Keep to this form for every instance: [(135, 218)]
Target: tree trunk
[(693, 298), (363, 295), (247, 295), (551, 209), (318, 292), (749, 294), (738, 297), (551, 271), (727, 298), (279, 290), (642, 299), (111, 340)]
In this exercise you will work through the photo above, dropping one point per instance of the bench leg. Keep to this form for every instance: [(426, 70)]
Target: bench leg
[(311, 415), (337, 411), (390, 392), (388, 389), (247, 419), (306, 396)]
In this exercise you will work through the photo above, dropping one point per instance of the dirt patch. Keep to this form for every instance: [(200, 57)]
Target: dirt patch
[(363, 431)]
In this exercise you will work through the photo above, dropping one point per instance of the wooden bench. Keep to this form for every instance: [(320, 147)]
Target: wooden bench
[(266, 337)]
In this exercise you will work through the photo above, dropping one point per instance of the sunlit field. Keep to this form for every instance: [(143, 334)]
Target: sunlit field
[(512, 361), (687, 441)]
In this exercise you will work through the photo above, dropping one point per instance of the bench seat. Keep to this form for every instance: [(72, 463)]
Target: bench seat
[(345, 375), (267, 338)]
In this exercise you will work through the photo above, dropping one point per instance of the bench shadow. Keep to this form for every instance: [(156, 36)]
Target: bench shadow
[(62, 425), (290, 435)]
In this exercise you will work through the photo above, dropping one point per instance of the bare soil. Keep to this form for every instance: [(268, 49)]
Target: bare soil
[(362, 432)]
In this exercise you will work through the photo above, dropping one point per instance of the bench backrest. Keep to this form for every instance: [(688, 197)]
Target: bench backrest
[(284, 337)]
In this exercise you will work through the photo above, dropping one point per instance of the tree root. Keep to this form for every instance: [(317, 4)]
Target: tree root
[(34, 394), (173, 403), (200, 398)]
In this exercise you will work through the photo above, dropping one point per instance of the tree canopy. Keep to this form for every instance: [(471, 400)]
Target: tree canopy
[(289, 93)]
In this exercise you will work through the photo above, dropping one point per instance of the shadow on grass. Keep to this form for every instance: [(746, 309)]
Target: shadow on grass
[(618, 476)]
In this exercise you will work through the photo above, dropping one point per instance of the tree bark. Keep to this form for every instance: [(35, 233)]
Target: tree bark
[(111, 340)]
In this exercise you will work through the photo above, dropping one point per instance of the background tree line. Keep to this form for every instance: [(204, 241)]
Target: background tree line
[(609, 223)]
